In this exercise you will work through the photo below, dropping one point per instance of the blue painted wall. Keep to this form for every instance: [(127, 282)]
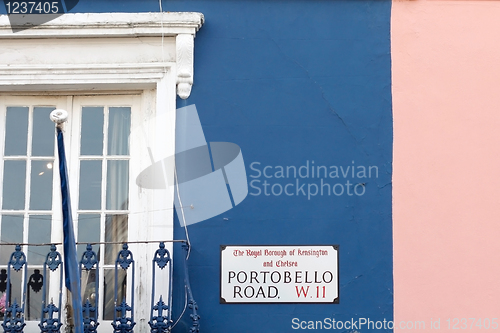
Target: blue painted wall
[(290, 82)]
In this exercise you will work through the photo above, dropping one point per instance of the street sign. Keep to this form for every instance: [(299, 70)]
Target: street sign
[(279, 274)]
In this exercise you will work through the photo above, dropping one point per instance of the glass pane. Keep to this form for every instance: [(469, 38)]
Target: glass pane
[(118, 130), (41, 185), (90, 184), (109, 291), (12, 232), (14, 182), (16, 280), (16, 130), (117, 185), (92, 130), (43, 132), (116, 230), (3, 280), (89, 231), (34, 293), (38, 233), (89, 284)]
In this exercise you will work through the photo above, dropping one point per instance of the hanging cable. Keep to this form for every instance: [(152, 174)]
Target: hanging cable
[(162, 38), (182, 214), (185, 307)]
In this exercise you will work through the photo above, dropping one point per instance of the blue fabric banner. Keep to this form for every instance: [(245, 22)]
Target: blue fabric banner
[(71, 269)]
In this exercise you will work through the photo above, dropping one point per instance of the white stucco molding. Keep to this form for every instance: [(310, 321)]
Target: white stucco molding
[(99, 51), (109, 25)]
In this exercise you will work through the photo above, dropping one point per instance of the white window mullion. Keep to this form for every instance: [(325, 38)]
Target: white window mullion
[(28, 180), (26, 228), (101, 270), (104, 265), (104, 166), (57, 218), (105, 159)]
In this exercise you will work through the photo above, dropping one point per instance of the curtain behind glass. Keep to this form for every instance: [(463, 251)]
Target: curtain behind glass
[(118, 131), (118, 170)]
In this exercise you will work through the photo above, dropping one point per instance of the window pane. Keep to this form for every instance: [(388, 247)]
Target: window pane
[(118, 130), (117, 185), (14, 182), (34, 293), (89, 287), (16, 130), (3, 280), (12, 232), (38, 233), (41, 185), (109, 291), (90, 184), (16, 280), (43, 132), (116, 230), (89, 231), (92, 130)]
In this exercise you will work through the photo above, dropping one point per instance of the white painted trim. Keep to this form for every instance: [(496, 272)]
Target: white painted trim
[(109, 25), (81, 77), (99, 51)]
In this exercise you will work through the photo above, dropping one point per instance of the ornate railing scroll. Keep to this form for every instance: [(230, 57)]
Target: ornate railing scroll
[(161, 314), (49, 324), (161, 318), (13, 320), (123, 323), (90, 298)]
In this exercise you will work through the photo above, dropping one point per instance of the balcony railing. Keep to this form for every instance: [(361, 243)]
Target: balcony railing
[(16, 311)]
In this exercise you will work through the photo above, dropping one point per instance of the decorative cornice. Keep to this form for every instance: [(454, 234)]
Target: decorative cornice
[(109, 25), (51, 77), (182, 26)]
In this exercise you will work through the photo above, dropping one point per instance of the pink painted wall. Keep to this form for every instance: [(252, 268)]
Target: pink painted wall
[(446, 95)]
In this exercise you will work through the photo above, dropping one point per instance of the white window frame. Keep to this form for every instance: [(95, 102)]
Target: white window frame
[(137, 218), (113, 53), (58, 102)]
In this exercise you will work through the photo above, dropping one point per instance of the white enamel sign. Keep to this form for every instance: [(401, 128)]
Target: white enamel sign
[(279, 274)]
